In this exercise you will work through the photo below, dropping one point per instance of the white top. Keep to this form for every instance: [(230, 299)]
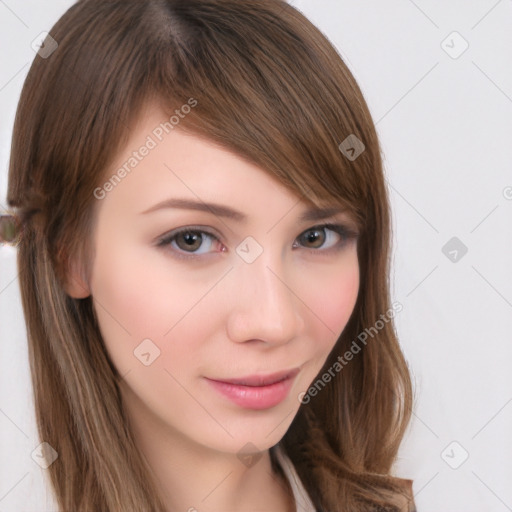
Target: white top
[(302, 500)]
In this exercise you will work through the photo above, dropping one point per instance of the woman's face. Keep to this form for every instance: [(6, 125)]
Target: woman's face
[(202, 324)]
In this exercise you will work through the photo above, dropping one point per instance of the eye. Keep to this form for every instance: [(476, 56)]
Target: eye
[(192, 241), (326, 236), (189, 240)]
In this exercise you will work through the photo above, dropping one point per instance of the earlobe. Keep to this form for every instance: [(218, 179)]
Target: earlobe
[(76, 289), (75, 284)]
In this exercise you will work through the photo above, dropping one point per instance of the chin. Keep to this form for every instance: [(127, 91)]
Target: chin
[(251, 431)]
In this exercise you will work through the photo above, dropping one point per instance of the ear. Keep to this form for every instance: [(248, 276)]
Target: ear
[(75, 282)]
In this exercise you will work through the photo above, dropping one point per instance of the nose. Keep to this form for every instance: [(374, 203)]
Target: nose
[(263, 305)]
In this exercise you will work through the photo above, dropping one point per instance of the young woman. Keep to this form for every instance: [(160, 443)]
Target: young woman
[(203, 251)]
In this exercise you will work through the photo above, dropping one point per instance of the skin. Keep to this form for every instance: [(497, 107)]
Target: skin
[(214, 316)]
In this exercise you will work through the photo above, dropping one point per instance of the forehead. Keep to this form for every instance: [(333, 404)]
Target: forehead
[(162, 166)]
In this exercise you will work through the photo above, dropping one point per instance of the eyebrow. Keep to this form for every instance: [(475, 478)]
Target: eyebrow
[(312, 214)]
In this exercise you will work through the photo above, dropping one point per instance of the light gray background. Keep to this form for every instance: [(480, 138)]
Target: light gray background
[(445, 126)]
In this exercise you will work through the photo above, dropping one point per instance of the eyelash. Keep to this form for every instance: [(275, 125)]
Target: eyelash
[(343, 231)]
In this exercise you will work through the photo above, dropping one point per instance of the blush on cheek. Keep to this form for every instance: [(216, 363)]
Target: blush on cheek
[(337, 300)]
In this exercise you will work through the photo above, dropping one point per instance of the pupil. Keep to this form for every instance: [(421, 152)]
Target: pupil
[(315, 236), (192, 240), (189, 238)]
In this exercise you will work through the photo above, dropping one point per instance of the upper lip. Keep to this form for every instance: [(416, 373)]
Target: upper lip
[(261, 379)]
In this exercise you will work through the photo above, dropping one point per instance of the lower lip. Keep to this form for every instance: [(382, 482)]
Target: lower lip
[(254, 397)]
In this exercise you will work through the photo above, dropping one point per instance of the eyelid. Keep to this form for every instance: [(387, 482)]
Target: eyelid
[(174, 232), (345, 228)]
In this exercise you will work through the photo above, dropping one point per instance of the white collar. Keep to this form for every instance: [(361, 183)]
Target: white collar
[(302, 500)]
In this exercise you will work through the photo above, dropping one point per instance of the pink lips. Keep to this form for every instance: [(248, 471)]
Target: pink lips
[(256, 391)]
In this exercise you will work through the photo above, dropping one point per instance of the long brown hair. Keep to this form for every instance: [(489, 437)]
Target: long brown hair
[(268, 86)]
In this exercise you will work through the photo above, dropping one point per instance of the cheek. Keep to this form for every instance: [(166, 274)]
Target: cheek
[(126, 299), (137, 297), (332, 302), (329, 305)]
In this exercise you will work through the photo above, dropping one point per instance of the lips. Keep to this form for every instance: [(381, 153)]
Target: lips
[(260, 380), (256, 391)]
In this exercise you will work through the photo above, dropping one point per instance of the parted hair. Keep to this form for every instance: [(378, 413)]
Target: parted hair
[(269, 87)]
